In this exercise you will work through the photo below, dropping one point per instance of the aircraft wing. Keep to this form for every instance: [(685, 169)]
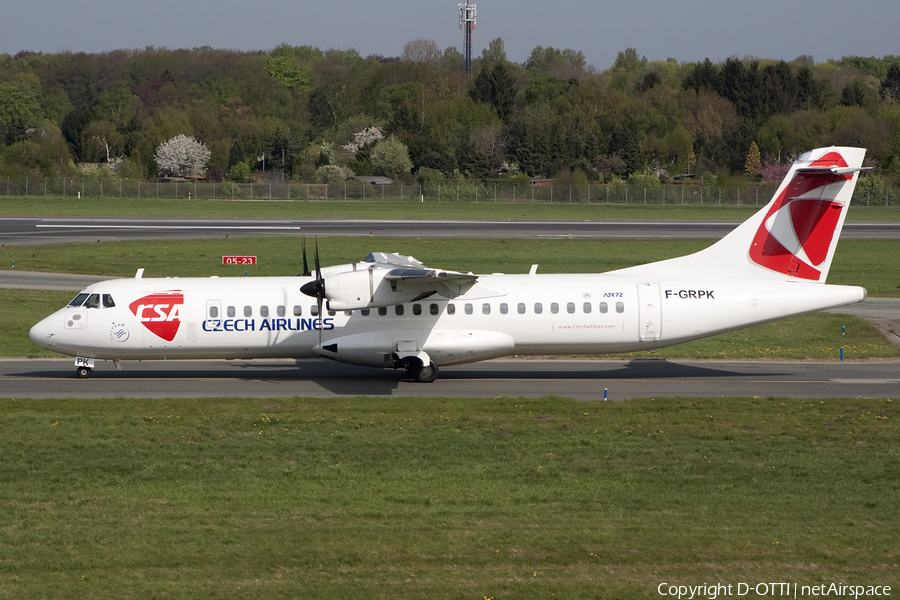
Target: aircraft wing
[(449, 284), (389, 279)]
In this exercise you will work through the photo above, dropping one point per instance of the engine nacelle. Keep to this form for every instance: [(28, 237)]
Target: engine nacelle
[(353, 290)]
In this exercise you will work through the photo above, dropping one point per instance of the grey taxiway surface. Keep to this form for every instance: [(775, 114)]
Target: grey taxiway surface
[(32, 230), (579, 379)]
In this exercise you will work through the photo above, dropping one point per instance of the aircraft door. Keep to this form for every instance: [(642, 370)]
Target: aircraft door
[(649, 312)]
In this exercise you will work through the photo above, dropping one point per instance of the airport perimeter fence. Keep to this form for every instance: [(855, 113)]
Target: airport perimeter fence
[(467, 191)]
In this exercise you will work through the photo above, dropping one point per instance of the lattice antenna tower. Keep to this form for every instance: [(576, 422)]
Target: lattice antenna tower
[(467, 24)]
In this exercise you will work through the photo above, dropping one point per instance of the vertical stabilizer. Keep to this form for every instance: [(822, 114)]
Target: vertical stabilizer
[(793, 237), (802, 224)]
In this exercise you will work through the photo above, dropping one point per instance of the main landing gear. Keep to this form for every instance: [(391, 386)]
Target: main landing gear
[(82, 372), (421, 373)]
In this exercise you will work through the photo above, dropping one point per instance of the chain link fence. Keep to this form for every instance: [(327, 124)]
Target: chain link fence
[(464, 191)]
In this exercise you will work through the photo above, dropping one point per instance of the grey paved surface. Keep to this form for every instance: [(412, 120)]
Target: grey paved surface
[(580, 379), (31, 230)]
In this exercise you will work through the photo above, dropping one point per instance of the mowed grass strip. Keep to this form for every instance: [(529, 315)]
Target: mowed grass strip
[(867, 263), (446, 498)]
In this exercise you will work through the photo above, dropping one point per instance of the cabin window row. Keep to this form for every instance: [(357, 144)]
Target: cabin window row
[(433, 309), (280, 311)]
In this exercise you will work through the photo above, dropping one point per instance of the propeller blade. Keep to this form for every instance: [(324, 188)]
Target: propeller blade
[(320, 290), (306, 272)]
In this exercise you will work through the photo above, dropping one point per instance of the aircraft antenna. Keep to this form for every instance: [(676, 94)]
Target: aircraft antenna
[(467, 24)]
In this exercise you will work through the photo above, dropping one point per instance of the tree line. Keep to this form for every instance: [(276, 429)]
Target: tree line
[(296, 113)]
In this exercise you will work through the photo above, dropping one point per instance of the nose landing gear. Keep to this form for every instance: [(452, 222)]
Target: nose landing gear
[(83, 367)]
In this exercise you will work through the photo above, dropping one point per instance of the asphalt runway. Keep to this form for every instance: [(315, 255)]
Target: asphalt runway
[(533, 378), (30, 230)]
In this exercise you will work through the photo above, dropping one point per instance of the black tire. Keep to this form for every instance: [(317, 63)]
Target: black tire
[(427, 374), (82, 372)]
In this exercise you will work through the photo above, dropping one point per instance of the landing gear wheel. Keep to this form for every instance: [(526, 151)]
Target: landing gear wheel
[(423, 374), (427, 374), (83, 372)]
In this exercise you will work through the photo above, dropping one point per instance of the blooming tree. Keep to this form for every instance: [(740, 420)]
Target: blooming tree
[(363, 138), (182, 155)]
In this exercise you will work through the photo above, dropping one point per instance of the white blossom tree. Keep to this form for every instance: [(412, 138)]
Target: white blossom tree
[(182, 155), (363, 138)]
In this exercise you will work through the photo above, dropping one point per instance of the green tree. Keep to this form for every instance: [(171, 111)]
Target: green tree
[(390, 158), (497, 86), (20, 106), (288, 71)]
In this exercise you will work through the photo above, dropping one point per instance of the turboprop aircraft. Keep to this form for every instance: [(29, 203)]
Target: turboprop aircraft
[(391, 311)]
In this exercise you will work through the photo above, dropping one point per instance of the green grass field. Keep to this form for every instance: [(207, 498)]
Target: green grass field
[(423, 498)]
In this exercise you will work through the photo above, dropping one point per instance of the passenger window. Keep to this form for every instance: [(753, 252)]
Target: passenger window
[(604, 307), (486, 308), (570, 308), (417, 309), (434, 309), (298, 310), (365, 312), (504, 308), (248, 311), (398, 310), (587, 307), (230, 311), (451, 309), (93, 301), (554, 307), (521, 308), (469, 309), (382, 310), (314, 310), (108, 301), (620, 307), (331, 313), (264, 311), (280, 311), (213, 312), (538, 308)]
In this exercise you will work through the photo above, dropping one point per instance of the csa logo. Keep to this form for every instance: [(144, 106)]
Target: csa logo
[(160, 312)]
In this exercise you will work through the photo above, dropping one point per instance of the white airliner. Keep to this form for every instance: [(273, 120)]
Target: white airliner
[(391, 311)]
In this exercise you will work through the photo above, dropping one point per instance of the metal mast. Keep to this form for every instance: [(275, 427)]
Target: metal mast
[(467, 24)]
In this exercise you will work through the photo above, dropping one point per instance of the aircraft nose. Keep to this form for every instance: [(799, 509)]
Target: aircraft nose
[(42, 334)]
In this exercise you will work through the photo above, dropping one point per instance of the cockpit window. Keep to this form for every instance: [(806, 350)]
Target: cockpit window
[(79, 299), (108, 301), (93, 301)]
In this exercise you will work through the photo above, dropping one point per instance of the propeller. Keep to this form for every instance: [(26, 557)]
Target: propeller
[(305, 272), (316, 287)]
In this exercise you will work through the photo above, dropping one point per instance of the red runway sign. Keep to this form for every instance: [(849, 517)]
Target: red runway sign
[(238, 260)]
